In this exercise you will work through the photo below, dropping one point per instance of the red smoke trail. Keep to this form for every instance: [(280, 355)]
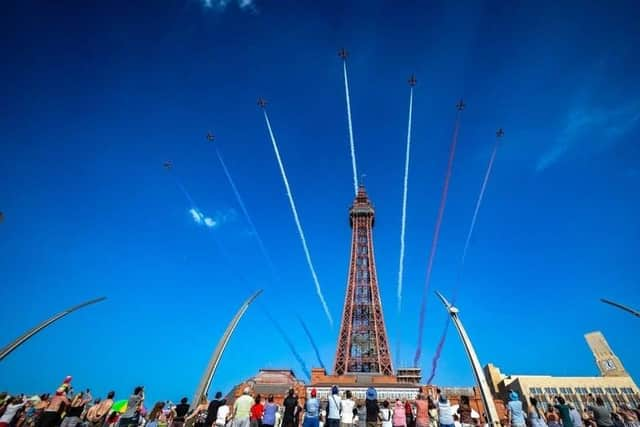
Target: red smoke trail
[(483, 187), (436, 357), (436, 232)]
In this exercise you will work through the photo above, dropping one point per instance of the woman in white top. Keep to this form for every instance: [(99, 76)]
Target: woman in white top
[(14, 405), (346, 410), (223, 414), (386, 414)]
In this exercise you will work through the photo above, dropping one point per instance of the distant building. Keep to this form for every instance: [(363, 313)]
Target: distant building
[(277, 382), (614, 385)]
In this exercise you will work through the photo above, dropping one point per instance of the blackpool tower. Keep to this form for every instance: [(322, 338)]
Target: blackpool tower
[(363, 347)]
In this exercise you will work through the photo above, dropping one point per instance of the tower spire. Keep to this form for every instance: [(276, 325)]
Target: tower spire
[(362, 343)]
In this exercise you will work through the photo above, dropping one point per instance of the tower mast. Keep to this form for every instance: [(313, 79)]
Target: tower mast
[(362, 344)]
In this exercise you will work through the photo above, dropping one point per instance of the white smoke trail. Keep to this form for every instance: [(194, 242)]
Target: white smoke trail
[(297, 220), (352, 145), (404, 202), (243, 207), (479, 202)]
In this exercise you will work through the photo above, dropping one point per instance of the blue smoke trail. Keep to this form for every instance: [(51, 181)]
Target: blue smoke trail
[(313, 343), (286, 339), (243, 207)]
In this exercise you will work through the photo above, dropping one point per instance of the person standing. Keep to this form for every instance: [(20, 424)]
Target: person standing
[(536, 419), (290, 405), (312, 410), (553, 420), (563, 409), (182, 409), (464, 412), (445, 413), (576, 419), (242, 409), (73, 413), (347, 410), (373, 409), (601, 414), (155, 414), (51, 415), (361, 413), (333, 408), (270, 410), (515, 414), (422, 411), (297, 414), (222, 417), (410, 414), (399, 414), (257, 411), (14, 404), (386, 414), (212, 411), (130, 416), (98, 413), (200, 413)]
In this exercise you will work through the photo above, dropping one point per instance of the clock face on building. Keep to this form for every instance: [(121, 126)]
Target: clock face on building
[(609, 365)]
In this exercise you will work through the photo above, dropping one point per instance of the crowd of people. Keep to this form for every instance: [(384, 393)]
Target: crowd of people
[(68, 409), (565, 414)]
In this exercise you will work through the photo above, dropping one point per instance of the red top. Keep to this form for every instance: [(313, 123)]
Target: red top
[(256, 411)]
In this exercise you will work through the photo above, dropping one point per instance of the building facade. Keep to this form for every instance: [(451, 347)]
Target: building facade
[(614, 385), (276, 382)]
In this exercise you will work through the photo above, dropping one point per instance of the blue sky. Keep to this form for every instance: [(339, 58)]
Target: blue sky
[(95, 97)]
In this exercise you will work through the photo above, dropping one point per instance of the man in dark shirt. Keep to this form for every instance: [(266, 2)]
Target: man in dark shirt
[(373, 409), (182, 409), (212, 411), (290, 405), (563, 408)]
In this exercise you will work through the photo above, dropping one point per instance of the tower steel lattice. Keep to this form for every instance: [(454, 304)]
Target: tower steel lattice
[(363, 347)]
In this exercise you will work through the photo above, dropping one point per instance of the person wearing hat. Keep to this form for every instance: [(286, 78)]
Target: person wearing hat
[(373, 409), (333, 408), (515, 414), (242, 409), (311, 410)]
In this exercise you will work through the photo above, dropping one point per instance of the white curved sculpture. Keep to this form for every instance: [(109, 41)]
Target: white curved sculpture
[(205, 381), (31, 332)]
